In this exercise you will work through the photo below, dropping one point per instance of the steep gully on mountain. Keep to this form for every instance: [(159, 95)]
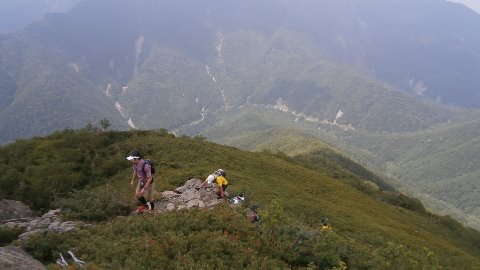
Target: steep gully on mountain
[(280, 105)]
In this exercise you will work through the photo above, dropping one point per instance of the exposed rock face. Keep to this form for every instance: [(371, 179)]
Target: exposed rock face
[(188, 196), (14, 211), (17, 214), (49, 222), (17, 259)]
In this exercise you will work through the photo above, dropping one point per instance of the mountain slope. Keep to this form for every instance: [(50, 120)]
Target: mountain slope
[(406, 43), (294, 76), (374, 228), (444, 158), (437, 165), (46, 92), (197, 67), (211, 56)]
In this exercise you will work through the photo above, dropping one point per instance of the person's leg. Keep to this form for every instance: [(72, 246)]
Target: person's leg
[(138, 195), (221, 190), (142, 200), (149, 197), (224, 187)]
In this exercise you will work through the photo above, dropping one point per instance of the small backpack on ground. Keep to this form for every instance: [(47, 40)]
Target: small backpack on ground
[(237, 199), (253, 217)]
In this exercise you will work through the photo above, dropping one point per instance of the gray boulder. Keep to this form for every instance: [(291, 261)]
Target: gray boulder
[(188, 196), (16, 259), (17, 214), (14, 211)]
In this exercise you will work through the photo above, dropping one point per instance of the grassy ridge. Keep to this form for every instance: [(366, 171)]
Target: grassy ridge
[(438, 165), (293, 199), (441, 162)]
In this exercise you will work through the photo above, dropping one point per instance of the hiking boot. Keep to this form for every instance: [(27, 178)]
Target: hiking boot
[(141, 209)]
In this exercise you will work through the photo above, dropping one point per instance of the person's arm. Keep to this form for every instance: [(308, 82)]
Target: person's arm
[(133, 178), (209, 180)]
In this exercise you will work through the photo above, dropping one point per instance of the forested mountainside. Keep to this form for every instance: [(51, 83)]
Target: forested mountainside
[(160, 64)]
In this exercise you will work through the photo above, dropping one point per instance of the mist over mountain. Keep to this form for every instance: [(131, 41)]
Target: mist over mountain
[(17, 14), (352, 69), (472, 4)]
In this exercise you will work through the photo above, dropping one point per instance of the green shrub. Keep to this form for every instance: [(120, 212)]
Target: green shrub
[(7, 235), (403, 201), (292, 196), (45, 248), (95, 205), (400, 257)]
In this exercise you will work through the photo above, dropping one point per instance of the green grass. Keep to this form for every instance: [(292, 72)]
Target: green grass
[(369, 233), (437, 165)]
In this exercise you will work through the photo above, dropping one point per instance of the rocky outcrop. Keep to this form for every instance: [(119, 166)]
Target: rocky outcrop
[(18, 214), (16, 259), (15, 211), (188, 196)]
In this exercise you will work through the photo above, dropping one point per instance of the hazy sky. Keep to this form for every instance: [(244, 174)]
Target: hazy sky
[(473, 4)]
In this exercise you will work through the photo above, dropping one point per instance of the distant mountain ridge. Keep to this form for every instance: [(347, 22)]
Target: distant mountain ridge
[(213, 54)]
